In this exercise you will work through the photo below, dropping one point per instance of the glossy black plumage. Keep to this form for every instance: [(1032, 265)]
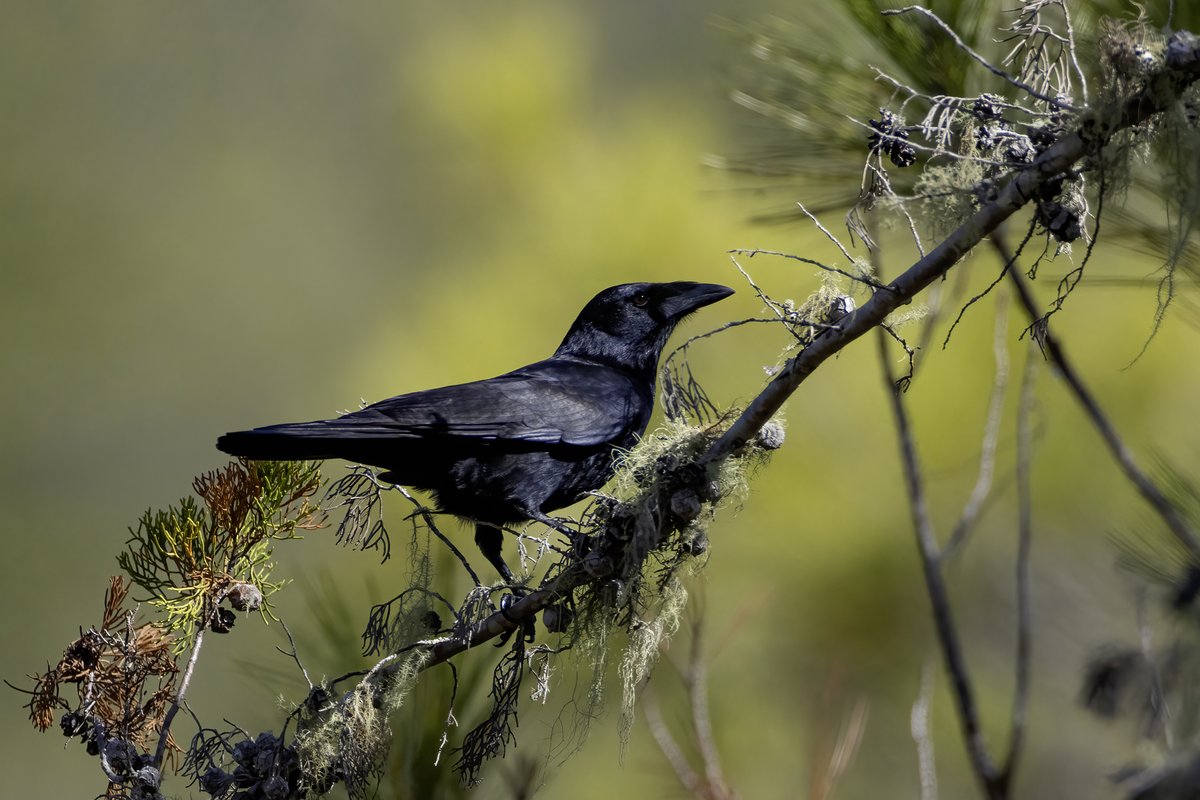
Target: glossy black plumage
[(517, 446)]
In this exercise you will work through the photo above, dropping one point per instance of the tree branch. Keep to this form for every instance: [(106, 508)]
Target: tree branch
[(922, 734), (956, 665), (1024, 648), (1054, 351), (1095, 128)]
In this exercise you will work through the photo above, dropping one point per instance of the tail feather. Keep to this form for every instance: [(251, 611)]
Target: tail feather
[(326, 439), (264, 444)]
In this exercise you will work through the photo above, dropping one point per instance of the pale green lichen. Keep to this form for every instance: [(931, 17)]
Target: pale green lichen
[(646, 640), (349, 740), (646, 535), (949, 194)]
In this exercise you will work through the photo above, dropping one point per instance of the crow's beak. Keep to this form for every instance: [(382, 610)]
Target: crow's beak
[(684, 297)]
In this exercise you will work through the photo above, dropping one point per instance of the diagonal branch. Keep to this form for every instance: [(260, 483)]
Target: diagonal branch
[(1094, 130), (1124, 458)]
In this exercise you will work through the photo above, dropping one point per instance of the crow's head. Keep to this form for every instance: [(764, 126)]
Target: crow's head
[(628, 325)]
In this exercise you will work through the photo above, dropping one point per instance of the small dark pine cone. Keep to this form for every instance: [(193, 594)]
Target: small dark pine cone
[(685, 504), (1019, 150), (557, 618), (984, 138), (888, 137), (215, 781), (987, 108), (903, 154), (222, 621)]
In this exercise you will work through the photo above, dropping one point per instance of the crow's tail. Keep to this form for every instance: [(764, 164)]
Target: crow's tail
[(304, 441)]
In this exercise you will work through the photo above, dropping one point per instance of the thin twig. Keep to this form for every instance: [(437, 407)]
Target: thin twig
[(922, 734), (295, 655), (451, 720), (859, 278), (1083, 87), (165, 731), (427, 516), (991, 434), (956, 666), (1024, 649), (771, 304), (697, 684), (966, 48), (850, 735), (824, 230), (688, 777), (1008, 264)]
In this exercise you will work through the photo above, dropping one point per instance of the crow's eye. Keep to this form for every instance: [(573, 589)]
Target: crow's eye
[(640, 300)]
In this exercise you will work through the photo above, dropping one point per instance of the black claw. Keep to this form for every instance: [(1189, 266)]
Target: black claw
[(526, 625), (490, 540)]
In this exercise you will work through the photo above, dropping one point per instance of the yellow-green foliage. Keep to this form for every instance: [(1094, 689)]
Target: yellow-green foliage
[(187, 556)]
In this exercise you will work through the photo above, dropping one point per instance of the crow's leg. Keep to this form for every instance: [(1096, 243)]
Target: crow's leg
[(491, 542)]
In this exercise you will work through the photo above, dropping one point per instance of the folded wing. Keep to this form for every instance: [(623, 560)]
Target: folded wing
[(552, 403)]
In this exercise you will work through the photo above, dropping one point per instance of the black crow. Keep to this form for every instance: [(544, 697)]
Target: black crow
[(514, 447)]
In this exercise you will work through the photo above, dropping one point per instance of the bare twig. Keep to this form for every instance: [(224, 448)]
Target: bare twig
[(919, 725), (1083, 87), (164, 734), (956, 666), (767, 301), (697, 685), (861, 277), (966, 48), (711, 785), (849, 737), (688, 777), (1024, 648), (295, 655), (991, 433), (824, 230), (427, 516), (1008, 264)]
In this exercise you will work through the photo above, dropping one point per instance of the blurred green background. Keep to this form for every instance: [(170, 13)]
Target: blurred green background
[(225, 214)]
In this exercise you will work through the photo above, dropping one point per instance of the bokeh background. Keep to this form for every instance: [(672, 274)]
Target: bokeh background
[(225, 214)]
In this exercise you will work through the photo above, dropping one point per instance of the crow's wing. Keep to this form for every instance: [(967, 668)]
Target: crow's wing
[(550, 403)]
